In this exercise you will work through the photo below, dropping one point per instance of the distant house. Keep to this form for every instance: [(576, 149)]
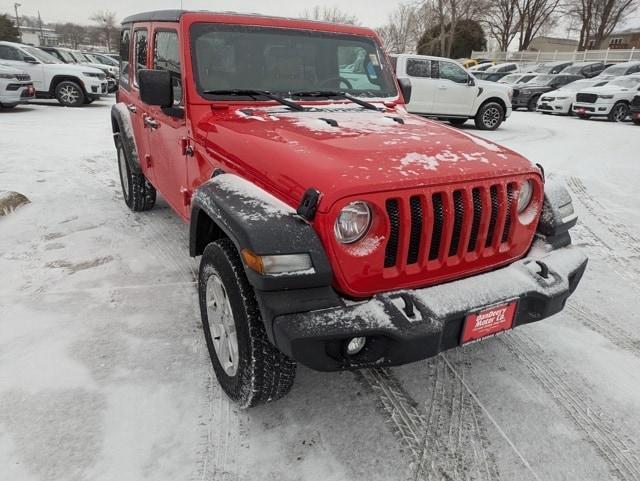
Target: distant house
[(552, 44), (39, 37), (623, 39)]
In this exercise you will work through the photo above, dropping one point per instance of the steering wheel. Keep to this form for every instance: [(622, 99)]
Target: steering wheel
[(342, 80)]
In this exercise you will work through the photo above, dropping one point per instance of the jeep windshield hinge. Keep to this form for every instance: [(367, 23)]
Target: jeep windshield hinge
[(309, 204), (187, 148)]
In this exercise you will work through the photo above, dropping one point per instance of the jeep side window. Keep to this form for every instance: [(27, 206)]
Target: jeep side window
[(453, 72), (125, 44), (9, 53), (140, 56), (166, 56), (418, 68)]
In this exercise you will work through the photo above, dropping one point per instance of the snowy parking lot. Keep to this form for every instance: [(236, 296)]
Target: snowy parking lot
[(104, 373)]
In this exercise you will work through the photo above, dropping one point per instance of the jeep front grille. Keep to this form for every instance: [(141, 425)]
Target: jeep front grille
[(23, 77), (586, 98), (449, 224)]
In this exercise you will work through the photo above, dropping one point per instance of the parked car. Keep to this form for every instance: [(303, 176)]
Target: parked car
[(442, 88), (481, 67), (335, 229), (551, 67), (611, 100), (527, 95), (586, 69), (619, 69), (517, 78), (504, 67), (635, 109), (490, 76), (103, 59), (15, 87), (68, 55), (561, 101), (72, 85)]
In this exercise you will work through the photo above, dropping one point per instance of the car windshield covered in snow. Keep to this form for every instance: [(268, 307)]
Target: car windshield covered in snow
[(283, 61), (582, 84), (41, 56), (616, 70), (625, 82)]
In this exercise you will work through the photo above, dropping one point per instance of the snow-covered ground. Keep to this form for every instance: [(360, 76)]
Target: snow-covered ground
[(104, 374)]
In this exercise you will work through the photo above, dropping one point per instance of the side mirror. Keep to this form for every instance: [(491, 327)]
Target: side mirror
[(471, 82), (405, 88), (29, 59), (155, 87)]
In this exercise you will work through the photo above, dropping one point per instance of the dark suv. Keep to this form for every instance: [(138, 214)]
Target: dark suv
[(527, 96), (586, 69), (334, 228)]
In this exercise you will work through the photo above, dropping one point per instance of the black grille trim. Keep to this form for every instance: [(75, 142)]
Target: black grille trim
[(438, 224), (586, 98), (391, 251), (458, 208), (506, 232), (494, 215), (477, 219), (415, 237)]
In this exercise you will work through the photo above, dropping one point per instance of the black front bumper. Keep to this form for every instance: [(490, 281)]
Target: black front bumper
[(318, 338), (521, 101)]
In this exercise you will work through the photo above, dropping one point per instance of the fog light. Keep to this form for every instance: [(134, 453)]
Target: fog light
[(355, 345)]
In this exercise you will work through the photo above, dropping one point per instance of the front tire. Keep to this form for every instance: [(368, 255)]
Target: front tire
[(489, 116), (138, 193), (618, 113), (250, 370), (69, 94)]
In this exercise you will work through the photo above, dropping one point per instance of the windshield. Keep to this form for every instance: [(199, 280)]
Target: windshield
[(65, 56), (579, 85), (527, 78), (90, 58), (615, 70), (103, 59), (42, 56), (282, 61), (509, 79), (543, 79), (574, 69), (627, 82)]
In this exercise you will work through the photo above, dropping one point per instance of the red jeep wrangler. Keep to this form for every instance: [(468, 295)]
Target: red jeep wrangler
[(335, 229)]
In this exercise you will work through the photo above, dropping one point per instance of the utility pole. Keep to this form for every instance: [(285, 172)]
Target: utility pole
[(15, 7)]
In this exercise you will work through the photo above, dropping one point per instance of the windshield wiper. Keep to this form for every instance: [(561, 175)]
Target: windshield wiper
[(335, 93), (253, 93)]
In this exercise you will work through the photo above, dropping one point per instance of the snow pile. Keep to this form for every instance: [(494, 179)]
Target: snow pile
[(427, 162)]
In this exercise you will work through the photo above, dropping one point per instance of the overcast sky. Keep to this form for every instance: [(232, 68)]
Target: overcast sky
[(372, 13)]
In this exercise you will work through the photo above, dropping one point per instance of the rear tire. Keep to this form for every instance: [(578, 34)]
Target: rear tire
[(619, 112), (69, 94), (138, 193), (489, 116), (250, 370)]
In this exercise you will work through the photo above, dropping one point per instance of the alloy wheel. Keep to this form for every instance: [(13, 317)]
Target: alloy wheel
[(222, 325), (69, 94), (491, 117)]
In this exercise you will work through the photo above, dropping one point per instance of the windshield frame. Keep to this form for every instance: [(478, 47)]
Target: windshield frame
[(388, 95)]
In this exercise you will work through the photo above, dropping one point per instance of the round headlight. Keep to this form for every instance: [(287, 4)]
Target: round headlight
[(525, 195), (353, 222)]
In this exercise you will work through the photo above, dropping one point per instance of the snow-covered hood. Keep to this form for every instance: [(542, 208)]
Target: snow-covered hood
[(10, 70), (342, 149), (73, 68), (610, 90)]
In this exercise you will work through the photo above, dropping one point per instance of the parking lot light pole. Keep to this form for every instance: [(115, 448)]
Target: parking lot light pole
[(15, 7)]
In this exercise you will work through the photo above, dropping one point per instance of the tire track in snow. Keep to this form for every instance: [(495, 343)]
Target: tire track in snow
[(617, 450), (446, 439), (605, 328)]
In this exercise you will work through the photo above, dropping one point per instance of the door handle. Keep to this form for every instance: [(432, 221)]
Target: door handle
[(150, 122), (132, 108)]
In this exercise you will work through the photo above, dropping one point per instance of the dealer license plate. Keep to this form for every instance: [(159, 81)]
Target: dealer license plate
[(488, 321)]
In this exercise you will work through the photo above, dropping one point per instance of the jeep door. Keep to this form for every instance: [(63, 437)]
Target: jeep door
[(423, 86), (167, 127), (454, 94), (134, 56)]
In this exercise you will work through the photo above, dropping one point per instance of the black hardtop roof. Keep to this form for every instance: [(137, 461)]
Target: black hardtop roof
[(155, 16)]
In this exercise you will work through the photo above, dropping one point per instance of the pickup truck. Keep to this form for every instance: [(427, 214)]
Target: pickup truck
[(334, 228), (441, 88)]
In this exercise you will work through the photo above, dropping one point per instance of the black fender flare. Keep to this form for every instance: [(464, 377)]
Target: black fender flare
[(254, 219), (122, 128)]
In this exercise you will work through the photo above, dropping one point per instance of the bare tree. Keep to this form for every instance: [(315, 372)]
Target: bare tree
[(106, 21), (405, 26), (330, 14), (534, 14), (599, 18), (71, 33), (502, 21)]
